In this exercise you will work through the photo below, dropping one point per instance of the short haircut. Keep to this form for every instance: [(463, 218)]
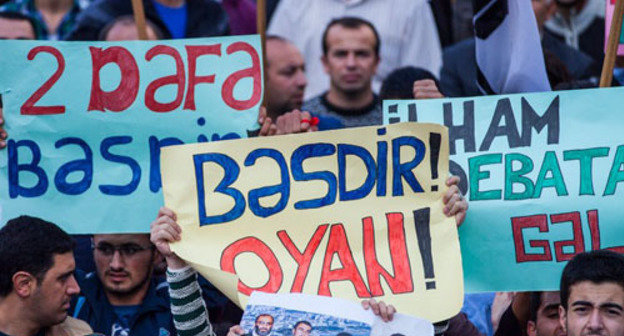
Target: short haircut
[(128, 20), (275, 38), (278, 38), (351, 22), (595, 266), (303, 322), (535, 300), (399, 84), (18, 16), (29, 244)]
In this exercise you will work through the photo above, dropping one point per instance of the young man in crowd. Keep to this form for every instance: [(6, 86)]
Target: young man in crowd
[(121, 297), (350, 58), (406, 27), (592, 294), (532, 314), (37, 280)]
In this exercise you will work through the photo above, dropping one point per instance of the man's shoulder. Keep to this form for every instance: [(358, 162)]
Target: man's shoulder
[(70, 327)]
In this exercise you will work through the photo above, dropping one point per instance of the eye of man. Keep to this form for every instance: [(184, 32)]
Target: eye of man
[(130, 249), (106, 249)]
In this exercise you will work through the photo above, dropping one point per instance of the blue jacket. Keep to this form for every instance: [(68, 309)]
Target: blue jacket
[(153, 318)]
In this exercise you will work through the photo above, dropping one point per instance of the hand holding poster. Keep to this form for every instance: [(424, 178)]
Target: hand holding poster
[(353, 213), (544, 176), (86, 121)]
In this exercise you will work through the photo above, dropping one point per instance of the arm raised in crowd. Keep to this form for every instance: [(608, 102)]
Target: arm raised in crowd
[(186, 297)]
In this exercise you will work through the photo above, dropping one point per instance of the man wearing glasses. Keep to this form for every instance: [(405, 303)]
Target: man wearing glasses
[(121, 298)]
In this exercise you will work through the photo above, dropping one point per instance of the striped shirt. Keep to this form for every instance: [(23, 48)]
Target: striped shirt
[(190, 315)]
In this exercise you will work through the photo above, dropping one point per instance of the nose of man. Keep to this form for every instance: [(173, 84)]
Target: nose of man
[(72, 287), (595, 324), (302, 81), (116, 261)]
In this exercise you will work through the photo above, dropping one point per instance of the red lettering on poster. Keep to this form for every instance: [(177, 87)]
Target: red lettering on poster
[(260, 249), (402, 281), (339, 246)]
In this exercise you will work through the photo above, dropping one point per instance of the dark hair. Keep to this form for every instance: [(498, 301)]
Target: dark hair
[(351, 22), (303, 322), (128, 20), (535, 300), (399, 84), (18, 16), (595, 266), (29, 244), (343, 334)]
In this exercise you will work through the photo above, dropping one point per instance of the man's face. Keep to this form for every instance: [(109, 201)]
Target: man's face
[(547, 320), (124, 262), (16, 30), (286, 79), (264, 324), (302, 329), (594, 309), (350, 62), (50, 300)]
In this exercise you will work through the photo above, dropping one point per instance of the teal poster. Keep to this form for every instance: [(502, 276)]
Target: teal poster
[(86, 121), (544, 175)]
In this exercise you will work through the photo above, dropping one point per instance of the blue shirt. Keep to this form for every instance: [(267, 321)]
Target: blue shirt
[(174, 18), (124, 315)]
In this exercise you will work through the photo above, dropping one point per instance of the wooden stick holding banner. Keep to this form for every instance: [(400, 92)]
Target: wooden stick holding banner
[(614, 35), (139, 18), (261, 28)]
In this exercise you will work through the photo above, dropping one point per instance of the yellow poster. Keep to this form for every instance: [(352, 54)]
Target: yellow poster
[(354, 213)]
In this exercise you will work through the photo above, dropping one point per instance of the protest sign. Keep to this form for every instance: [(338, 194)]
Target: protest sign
[(543, 175), (86, 121), (610, 8), (353, 213), (301, 314)]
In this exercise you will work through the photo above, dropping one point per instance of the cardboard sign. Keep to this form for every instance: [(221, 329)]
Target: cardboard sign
[(353, 213), (86, 122), (543, 173)]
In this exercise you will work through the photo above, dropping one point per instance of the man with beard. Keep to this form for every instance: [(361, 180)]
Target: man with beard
[(262, 326), (121, 298), (302, 328)]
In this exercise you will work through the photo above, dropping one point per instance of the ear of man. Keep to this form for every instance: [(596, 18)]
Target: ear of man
[(24, 284)]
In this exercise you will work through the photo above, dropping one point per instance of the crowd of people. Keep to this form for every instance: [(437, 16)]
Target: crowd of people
[(329, 65)]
